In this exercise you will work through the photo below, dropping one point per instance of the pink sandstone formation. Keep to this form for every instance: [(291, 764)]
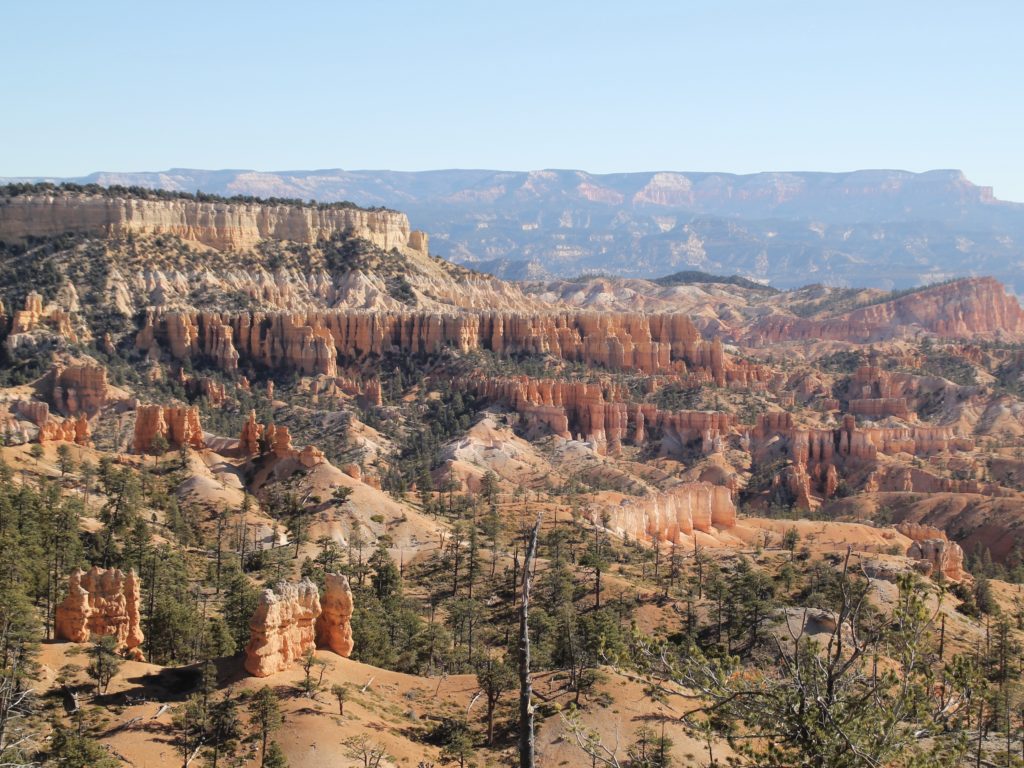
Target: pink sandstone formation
[(102, 602), (672, 515), (26, 320), (178, 424), (903, 479), (367, 392), (880, 407), (214, 391), (597, 413), (35, 411), (312, 342), (74, 429), (333, 627), (275, 440), (931, 545), (816, 453), (249, 440), (53, 429), (283, 627), (79, 388), (942, 556)]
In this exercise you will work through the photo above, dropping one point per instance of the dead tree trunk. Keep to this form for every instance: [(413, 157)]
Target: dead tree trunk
[(526, 742)]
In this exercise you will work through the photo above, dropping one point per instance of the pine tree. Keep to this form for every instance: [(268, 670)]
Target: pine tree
[(103, 661), (274, 757), (495, 676), (240, 599), (225, 729), (340, 692), (265, 718)]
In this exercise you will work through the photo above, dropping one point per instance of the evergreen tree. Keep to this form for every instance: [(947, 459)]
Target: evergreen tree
[(340, 692), (103, 661), (275, 757), (240, 599), (69, 749), (265, 718), (495, 676), (225, 729)]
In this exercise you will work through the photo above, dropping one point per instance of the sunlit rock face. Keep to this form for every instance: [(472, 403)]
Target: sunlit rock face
[(220, 225), (283, 627), (333, 627), (102, 602)]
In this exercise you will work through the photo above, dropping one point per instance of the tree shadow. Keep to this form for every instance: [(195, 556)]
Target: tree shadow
[(172, 685)]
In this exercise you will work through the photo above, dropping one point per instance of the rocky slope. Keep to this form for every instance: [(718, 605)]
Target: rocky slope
[(122, 253), (789, 228), (966, 308)]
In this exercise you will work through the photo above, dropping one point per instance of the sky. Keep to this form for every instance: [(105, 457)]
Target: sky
[(725, 86)]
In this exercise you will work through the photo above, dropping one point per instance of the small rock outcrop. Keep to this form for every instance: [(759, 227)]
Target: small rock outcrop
[(333, 627), (52, 429), (102, 602), (74, 429), (673, 515), (283, 627), (79, 388), (933, 549), (178, 424), (256, 439)]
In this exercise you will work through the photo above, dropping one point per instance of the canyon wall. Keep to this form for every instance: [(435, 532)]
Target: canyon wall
[(312, 342), (102, 602), (220, 225)]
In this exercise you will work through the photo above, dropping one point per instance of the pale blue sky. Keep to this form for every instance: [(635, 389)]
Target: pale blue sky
[(727, 86)]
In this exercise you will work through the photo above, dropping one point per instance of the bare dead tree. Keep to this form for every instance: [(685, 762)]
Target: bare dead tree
[(526, 738)]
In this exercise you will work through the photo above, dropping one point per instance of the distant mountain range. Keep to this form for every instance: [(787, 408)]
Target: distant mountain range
[(887, 229)]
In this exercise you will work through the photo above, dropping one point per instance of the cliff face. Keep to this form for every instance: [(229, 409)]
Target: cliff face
[(220, 225), (312, 342)]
